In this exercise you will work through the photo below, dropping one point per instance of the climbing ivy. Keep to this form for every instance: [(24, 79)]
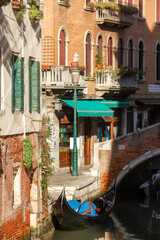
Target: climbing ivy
[(46, 159), (27, 153)]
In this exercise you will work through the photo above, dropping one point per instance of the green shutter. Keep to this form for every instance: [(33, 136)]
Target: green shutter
[(17, 83), (30, 93), (34, 86)]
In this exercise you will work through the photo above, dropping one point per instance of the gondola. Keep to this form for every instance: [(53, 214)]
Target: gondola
[(67, 218)]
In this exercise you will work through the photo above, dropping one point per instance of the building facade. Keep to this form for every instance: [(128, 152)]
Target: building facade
[(20, 119), (118, 45)]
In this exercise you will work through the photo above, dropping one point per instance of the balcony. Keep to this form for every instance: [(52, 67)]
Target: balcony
[(109, 84), (114, 18), (59, 77)]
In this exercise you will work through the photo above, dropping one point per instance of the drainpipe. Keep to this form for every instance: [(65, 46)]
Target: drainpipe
[(22, 55)]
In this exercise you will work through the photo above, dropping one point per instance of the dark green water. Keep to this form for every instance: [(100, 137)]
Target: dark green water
[(131, 220)]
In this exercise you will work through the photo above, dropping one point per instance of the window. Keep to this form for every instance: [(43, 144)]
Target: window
[(140, 8), (141, 60), (120, 53), (99, 47), (88, 54), (130, 2), (62, 48), (130, 53), (17, 83), (158, 11), (34, 86), (110, 51), (158, 62)]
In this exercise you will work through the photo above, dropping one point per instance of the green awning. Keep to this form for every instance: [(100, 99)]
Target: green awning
[(90, 108), (116, 103)]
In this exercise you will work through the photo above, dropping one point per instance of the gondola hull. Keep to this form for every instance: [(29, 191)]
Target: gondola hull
[(64, 217)]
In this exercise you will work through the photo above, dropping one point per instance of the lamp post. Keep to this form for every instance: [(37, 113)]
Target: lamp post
[(75, 79)]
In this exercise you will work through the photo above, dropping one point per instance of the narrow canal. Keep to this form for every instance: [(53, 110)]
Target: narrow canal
[(131, 220)]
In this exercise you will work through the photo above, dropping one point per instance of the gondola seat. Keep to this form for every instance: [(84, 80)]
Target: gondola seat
[(74, 204), (85, 206)]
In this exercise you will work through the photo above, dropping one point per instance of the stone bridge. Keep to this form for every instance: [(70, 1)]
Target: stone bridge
[(123, 154)]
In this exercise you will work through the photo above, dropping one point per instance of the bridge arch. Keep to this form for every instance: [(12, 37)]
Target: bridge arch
[(130, 166)]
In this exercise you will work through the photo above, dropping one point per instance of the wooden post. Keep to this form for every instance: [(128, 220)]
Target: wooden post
[(112, 122)]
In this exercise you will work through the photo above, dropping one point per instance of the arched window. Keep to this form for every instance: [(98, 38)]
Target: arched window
[(130, 53), (110, 62), (141, 60), (140, 8), (88, 54), (158, 62), (120, 52), (62, 48), (158, 11), (99, 47)]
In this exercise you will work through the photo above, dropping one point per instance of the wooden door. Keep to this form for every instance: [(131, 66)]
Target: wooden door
[(87, 141)]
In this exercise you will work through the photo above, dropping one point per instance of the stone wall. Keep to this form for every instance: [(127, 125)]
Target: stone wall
[(115, 154)]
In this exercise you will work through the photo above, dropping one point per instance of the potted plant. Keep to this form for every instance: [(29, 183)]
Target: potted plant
[(91, 5), (4, 2), (35, 14), (19, 6)]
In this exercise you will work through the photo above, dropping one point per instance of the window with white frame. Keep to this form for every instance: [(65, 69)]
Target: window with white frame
[(141, 8), (110, 52), (120, 52), (158, 10), (157, 62), (130, 53), (63, 47), (88, 54), (141, 60)]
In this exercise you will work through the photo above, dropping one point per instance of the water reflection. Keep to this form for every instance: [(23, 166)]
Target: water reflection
[(131, 220)]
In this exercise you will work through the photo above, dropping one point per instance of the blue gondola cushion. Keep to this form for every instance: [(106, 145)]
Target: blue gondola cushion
[(85, 206), (74, 204)]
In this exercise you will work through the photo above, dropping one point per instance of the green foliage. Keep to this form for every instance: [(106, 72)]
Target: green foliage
[(98, 59), (35, 14), (90, 4), (46, 164), (22, 11), (117, 7), (27, 153)]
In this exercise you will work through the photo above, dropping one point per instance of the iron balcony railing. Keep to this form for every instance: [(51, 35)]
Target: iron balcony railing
[(111, 17)]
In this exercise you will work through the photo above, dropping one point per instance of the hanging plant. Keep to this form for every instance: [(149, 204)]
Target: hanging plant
[(35, 14), (27, 153), (21, 9)]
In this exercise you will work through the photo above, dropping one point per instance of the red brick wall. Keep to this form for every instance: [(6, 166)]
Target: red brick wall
[(112, 161), (15, 223)]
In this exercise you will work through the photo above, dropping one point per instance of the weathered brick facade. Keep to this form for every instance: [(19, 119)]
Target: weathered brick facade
[(15, 211), (124, 150)]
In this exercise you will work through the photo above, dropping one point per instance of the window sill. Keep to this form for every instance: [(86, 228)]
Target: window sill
[(89, 9), (157, 81), (157, 22), (141, 19), (62, 3)]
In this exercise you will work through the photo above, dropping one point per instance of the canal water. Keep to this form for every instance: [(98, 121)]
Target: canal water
[(132, 220)]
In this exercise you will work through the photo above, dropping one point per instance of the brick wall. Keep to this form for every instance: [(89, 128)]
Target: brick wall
[(15, 219), (124, 150)]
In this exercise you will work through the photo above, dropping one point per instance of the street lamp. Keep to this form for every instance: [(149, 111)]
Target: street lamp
[(75, 79)]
